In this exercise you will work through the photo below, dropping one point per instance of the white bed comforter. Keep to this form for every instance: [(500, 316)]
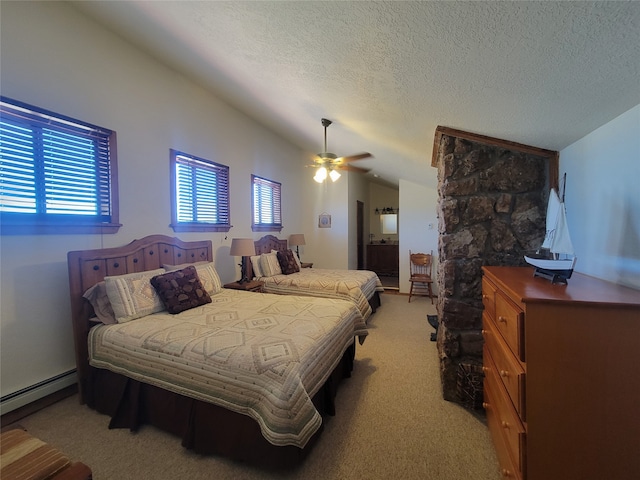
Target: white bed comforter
[(357, 286), (257, 354)]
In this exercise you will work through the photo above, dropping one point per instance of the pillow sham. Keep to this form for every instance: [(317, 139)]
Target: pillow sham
[(257, 269), (97, 297), (206, 272), (180, 290), (269, 264), (287, 263), (297, 259), (132, 295)]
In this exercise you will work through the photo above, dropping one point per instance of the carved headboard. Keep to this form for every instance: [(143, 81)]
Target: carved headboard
[(88, 267), (268, 243), (265, 245)]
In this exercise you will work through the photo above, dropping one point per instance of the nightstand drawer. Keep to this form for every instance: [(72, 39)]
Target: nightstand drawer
[(508, 369), (510, 323)]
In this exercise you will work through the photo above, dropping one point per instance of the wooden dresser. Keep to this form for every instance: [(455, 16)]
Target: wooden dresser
[(383, 258), (562, 376)]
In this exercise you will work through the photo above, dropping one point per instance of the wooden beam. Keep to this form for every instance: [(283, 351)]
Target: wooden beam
[(552, 155)]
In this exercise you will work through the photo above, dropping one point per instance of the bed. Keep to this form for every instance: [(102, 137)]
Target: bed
[(248, 376), (362, 287)]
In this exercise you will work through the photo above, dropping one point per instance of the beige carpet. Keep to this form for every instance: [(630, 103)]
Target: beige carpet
[(391, 422)]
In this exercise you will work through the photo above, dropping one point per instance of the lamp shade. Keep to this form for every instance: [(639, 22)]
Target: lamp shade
[(320, 175), (296, 239), (242, 247)]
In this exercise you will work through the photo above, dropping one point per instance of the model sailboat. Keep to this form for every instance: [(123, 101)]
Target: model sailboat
[(557, 265)]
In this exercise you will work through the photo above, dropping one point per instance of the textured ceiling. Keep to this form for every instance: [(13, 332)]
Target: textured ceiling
[(388, 73)]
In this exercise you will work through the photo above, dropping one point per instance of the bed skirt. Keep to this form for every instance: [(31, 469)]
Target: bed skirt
[(203, 427), (374, 301)]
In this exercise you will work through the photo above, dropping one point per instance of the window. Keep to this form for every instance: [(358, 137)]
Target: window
[(199, 194), (267, 214), (57, 174)]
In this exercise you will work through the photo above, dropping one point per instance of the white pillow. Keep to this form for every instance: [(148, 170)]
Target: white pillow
[(207, 274), (132, 295), (295, 257), (257, 269), (270, 265)]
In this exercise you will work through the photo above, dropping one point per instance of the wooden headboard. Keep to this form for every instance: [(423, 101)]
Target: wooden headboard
[(88, 267), (264, 245), (268, 243)]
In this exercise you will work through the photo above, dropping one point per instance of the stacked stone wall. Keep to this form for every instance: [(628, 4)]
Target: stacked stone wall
[(491, 211)]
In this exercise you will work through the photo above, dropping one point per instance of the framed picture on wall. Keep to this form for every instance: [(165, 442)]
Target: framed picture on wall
[(324, 220)]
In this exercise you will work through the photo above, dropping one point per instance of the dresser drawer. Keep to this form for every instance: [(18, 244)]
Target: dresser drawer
[(510, 323), (509, 370), (505, 418), (508, 468), (489, 297)]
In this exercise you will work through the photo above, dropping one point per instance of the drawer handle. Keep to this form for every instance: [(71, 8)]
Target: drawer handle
[(486, 405), (504, 424), (504, 373), (485, 369), (506, 473), (502, 319)]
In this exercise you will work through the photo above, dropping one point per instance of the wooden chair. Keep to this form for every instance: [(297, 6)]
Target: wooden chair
[(420, 271)]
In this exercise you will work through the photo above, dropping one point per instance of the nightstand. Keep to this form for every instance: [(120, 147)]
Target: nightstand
[(306, 265), (251, 286)]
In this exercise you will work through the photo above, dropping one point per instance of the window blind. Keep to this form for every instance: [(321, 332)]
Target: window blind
[(53, 168), (266, 202), (201, 191)]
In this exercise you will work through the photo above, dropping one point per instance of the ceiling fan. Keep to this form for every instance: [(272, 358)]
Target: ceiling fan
[(329, 163)]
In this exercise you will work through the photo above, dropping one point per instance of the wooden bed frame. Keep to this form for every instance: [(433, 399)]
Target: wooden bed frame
[(203, 427)]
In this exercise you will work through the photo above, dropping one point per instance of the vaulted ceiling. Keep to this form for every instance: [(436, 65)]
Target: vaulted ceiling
[(388, 73)]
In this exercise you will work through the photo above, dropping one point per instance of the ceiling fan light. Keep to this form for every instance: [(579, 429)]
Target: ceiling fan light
[(320, 175), (334, 174)]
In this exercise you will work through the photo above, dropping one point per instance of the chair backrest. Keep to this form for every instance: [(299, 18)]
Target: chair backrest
[(420, 263)]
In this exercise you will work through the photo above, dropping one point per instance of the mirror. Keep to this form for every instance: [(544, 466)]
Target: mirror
[(389, 223)]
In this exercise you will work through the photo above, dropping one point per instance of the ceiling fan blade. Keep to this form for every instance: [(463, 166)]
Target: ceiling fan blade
[(352, 158), (351, 168)]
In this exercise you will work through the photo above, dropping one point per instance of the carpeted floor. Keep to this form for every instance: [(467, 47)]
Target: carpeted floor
[(391, 422)]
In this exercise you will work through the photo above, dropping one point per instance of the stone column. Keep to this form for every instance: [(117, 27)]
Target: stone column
[(491, 211)]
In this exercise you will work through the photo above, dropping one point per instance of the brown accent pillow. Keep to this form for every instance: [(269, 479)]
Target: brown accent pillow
[(180, 290), (287, 262)]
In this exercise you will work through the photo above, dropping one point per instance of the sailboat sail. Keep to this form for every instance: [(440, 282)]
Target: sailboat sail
[(557, 241), (561, 240), (553, 207)]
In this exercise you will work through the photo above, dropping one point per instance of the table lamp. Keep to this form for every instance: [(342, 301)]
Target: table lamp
[(242, 247), (295, 240)]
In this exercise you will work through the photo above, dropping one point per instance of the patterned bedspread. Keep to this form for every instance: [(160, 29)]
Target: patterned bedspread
[(357, 286), (257, 354)]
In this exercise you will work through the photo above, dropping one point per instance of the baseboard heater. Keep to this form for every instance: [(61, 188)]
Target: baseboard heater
[(35, 392)]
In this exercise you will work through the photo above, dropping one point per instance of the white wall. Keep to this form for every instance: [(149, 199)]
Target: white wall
[(419, 231), (603, 199), (56, 58)]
